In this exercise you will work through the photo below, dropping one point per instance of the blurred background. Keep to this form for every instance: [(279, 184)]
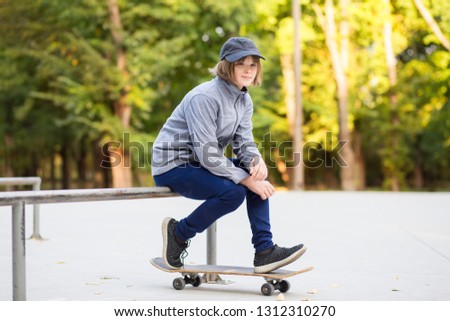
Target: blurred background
[(87, 84)]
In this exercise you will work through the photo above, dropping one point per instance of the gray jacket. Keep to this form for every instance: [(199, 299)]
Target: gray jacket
[(210, 117)]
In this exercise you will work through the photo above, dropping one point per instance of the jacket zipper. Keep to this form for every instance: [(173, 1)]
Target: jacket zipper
[(237, 116)]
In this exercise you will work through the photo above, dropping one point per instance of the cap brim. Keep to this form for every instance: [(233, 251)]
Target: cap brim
[(241, 54)]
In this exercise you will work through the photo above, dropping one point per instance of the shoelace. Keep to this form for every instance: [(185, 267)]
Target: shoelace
[(185, 253)]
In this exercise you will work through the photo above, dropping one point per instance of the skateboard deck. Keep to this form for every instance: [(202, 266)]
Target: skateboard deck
[(274, 280)]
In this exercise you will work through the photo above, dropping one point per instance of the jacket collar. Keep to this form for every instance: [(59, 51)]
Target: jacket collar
[(230, 88)]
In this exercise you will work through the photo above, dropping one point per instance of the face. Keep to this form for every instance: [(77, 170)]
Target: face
[(245, 71)]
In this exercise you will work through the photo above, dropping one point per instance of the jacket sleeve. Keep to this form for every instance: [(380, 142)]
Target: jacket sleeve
[(243, 143), (201, 117)]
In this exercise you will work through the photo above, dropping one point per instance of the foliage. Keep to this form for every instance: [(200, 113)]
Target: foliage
[(59, 80)]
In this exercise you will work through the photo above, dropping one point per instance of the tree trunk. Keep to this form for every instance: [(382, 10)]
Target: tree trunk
[(432, 24), (81, 165), (8, 140), (8, 168), (282, 168), (418, 176), (53, 155), (99, 158), (298, 170), (65, 165), (287, 69), (393, 140), (121, 173), (360, 165), (340, 63)]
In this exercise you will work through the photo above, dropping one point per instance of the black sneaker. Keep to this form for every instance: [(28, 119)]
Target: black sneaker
[(277, 257), (173, 252)]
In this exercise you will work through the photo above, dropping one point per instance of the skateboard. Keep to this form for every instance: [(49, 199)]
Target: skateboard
[(275, 280)]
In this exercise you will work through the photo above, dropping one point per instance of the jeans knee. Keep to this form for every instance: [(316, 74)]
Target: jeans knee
[(234, 196)]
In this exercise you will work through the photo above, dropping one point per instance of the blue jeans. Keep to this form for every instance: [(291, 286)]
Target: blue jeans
[(221, 196)]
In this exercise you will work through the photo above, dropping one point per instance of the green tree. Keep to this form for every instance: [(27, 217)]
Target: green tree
[(105, 68), (73, 81)]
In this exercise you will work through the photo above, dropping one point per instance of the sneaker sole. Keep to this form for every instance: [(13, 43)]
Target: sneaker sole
[(164, 229), (276, 265)]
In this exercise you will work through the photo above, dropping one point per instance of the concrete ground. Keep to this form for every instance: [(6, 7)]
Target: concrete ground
[(363, 245)]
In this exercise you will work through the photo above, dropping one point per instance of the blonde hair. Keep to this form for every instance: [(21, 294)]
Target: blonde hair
[(225, 69)]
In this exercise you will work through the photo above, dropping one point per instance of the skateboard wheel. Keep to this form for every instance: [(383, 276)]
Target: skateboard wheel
[(179, 283), (197, 281), (284, 286), (267, 289)]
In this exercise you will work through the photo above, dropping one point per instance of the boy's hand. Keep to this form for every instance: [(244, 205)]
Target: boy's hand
[(258, 169), (263, 188)]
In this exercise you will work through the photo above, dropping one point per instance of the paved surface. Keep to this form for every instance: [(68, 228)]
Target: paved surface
[(364, 246)]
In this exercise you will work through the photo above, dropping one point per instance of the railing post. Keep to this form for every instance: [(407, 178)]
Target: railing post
[(36, 183), (36, 215), (211, 244), (211, 253), (18, 251)]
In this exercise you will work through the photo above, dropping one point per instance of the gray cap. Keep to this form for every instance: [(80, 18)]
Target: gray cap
[(237, 48)]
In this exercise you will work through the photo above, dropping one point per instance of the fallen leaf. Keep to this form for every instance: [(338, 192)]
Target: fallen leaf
[(280, 297)]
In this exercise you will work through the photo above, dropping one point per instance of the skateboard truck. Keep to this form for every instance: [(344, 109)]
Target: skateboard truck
[(187, 278), (196, 280), (271, 285)]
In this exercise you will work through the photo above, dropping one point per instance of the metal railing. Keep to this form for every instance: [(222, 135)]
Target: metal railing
[(18, 200), (36, 183)]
